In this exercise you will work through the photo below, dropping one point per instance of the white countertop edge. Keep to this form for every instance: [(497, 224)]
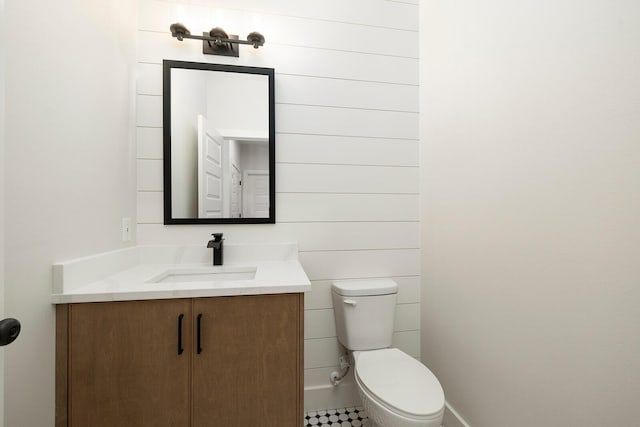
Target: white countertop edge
[(178, 294)]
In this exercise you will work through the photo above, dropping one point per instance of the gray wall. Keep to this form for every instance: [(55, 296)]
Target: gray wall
[(531, 199)]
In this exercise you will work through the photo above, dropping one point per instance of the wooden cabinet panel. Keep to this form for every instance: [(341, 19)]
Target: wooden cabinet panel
[(118, 363), (124, 368), (249, 370)]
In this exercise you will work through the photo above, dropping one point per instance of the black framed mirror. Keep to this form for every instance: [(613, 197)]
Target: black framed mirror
[(219, 144)]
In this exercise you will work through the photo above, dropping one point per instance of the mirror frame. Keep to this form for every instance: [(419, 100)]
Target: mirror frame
[(167, 66)]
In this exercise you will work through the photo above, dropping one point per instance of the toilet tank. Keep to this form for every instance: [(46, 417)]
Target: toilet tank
[(365, 312)]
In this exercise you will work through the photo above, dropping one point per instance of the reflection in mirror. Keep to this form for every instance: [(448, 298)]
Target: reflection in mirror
[(219, 144)]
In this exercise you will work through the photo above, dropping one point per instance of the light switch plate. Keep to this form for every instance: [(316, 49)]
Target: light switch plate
[(126, 229)]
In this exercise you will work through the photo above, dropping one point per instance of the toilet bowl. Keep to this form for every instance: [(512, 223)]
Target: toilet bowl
[(396, 389)]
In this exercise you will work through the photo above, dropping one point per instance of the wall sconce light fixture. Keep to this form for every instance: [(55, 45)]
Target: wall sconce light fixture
[(217, 41)]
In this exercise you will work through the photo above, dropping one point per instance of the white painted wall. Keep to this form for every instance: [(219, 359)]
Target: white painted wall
[(347, 148), (530, 175), (68, 171), (2, 109)]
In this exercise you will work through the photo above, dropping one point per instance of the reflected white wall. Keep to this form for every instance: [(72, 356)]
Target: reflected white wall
[(187, 102), (238, 101), (254, 155)]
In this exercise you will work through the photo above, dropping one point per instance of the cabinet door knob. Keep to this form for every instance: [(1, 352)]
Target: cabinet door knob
[(199, 349), (180, 349)]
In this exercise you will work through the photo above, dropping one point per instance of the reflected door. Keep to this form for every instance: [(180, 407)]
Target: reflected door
[(255, 194), (236, 193), (209, 170)]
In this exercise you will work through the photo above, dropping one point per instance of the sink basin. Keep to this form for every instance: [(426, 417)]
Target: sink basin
[(205, 274)]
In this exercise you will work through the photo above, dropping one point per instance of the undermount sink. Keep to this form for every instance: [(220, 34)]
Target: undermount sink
[(204, 274)]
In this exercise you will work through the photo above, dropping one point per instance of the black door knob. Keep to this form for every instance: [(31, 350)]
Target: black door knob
[(9, 331)]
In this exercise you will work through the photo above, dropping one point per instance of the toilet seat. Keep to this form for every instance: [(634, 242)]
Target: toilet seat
[(400, 383)]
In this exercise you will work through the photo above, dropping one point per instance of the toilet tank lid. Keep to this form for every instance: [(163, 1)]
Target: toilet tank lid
[(365, 287)]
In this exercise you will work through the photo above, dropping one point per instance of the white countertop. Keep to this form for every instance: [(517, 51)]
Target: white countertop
[(129, 274)]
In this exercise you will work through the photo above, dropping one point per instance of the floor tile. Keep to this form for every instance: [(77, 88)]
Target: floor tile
[(339, 417)]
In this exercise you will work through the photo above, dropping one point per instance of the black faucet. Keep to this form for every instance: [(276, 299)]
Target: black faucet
[(216, 244)]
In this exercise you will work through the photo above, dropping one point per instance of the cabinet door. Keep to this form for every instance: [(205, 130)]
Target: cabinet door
[(124, 366), (248, 372)]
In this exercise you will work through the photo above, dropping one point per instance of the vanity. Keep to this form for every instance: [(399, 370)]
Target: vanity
[(157, 336)]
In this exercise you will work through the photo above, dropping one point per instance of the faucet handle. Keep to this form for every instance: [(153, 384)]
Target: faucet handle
[(217, 237)]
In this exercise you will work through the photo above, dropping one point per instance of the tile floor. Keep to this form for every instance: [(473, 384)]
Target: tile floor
[(340, 417)]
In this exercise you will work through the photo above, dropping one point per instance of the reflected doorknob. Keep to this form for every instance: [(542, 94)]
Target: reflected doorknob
[(9, 331)]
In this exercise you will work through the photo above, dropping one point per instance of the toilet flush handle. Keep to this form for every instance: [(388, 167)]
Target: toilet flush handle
[(350, 302)]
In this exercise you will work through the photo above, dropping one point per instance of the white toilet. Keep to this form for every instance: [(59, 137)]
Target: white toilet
[(396, 390)]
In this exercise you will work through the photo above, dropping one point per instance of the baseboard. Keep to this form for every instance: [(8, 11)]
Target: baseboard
[(452, 418), (329, 397)]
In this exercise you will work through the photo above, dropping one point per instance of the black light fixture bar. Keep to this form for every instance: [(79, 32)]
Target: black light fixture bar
[(217, 42)]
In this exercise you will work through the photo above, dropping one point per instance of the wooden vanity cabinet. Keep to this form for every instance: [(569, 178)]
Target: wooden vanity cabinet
[(249, 361), (119, 364), (123, 366)]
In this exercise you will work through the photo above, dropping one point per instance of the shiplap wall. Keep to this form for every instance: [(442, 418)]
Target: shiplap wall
[(347, 148)]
